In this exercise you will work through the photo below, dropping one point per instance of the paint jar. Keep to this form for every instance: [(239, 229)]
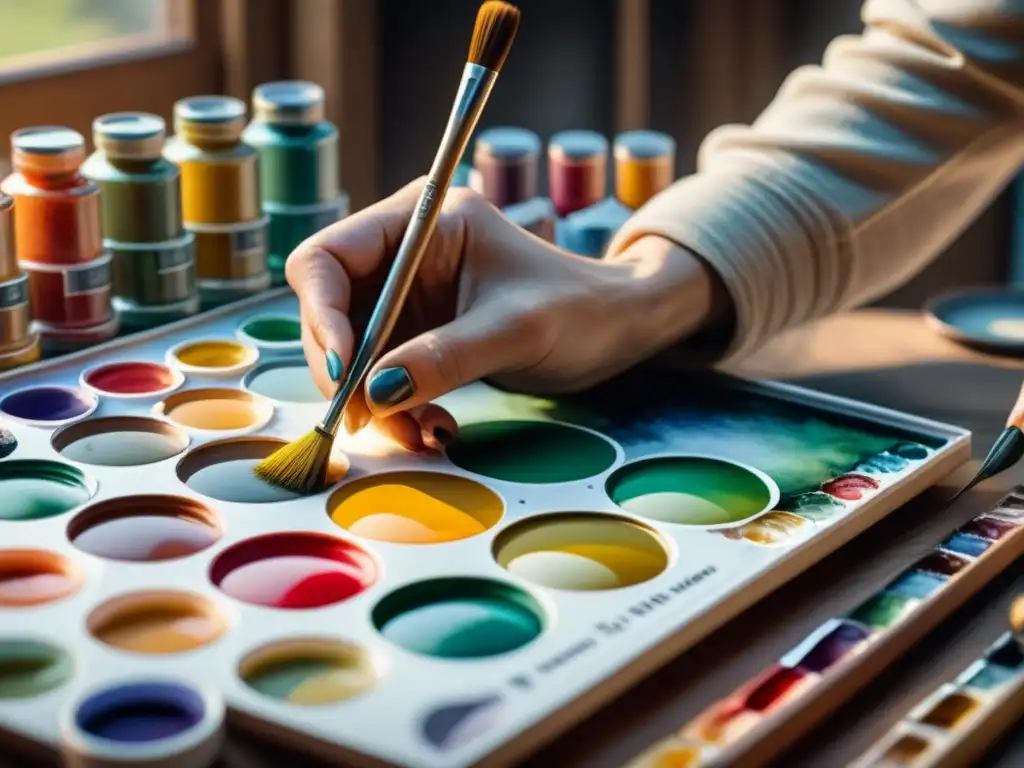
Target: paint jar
[(19, 345), (57, 238), (507, 160), (220, 198), (299, 165), (536, 216), (644, 166), (588, 232), (577, 170), (153, 256)]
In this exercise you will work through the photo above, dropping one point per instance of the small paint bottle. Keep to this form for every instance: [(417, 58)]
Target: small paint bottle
[(508, 161), (588, 232), (644, 166), (153, 256), (536, 216), (57, 238), (577, 170), (19, 344), (220, 198), (299, 165)]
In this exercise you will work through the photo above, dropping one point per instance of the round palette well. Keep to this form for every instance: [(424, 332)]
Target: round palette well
[(35, 489), (216, 410), (309, 672), (132, 380), (293, 571), (157, 623), (692, 490), (581, 551), (30, 668), (143, 722), (284, 381), (33, 577), (223, 470), (415, 507), (531, 452), (48, 406), (8, 442), (272, 333), (144, 529), (212, 357), (459, 618), (988, 318), (119, 441)]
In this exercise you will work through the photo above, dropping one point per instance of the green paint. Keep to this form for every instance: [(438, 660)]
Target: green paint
[(34, 489), (991, 676), (531, 452), (689, 490), (280, 679), (459, 618), (815, 506), (29, 668), (274, 329), (884, 609)]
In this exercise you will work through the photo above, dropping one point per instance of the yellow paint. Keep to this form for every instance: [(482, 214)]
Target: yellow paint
[(215, 414), (332, 687), (1017, 616), (637, 180), (415, 508), (213, 354), (773, 528), (161, 629), (670, 753)]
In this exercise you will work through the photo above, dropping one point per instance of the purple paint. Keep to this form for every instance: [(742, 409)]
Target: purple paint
[(454, 725), (833, 647), (48, 404), (141, 712)]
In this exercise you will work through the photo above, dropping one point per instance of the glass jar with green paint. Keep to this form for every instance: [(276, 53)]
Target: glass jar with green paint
[(153, 256), (299, 165)]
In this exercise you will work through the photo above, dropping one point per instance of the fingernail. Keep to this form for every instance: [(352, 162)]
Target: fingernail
[(334, 365), (390, 386), (442, 435)]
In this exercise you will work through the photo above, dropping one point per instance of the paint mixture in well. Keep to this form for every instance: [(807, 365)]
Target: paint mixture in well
[(216, 410), (48, 405), (309, 673), (459, 618), (585, 552), (531, 451), (31, 577), (690, 490), (138, 713), (415, 507), (132, 378), (120, 441), (29, 668), (157, 623), (34, 489), (293, 570)]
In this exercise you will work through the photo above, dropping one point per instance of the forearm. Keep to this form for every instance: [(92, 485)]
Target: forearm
[(861, 171)]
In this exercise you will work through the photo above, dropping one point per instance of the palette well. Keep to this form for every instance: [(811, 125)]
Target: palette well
[(552, 543)]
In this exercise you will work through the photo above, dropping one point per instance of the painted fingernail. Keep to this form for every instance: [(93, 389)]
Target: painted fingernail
[(442, 435), (390, 386), (334, 365)]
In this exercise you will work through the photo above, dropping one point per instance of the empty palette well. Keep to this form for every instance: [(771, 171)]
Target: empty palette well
[(119, 441), (415, 507), (32, 577), (144, 528), (284, 381), (581, 551), (30, 668), (309, 672), (157, 623), (36, 489), (216, 410), (692, 490)]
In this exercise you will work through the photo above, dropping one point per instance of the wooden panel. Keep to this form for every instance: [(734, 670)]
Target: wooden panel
[(255, 44), (633, 65)]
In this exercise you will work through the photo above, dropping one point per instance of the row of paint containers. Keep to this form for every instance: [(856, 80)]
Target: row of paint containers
[(150, 229), (579, 213)]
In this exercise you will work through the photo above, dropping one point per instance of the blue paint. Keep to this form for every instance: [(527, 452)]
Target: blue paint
[(536, 215), (141, 712), (919, 584), (987, 677), (882, 464), (509, 143), (42, 404), (963, 544), (912, 451), (588, 232), (645, 145), (1007, 653), (579, 145), (969, 316)]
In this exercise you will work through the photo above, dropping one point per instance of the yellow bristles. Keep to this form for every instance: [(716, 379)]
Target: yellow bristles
[(496, 25), (301, 466)]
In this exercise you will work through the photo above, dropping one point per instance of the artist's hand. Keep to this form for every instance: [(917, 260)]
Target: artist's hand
[(489, 301)]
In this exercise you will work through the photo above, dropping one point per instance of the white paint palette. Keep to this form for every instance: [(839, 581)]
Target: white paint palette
[(426, 610)]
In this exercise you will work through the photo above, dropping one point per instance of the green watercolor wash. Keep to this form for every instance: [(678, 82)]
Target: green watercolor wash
[(689, 490), (36, 489), (29, 668), (531, 452), (990, 676), (279, 680), (274, 329), (459, 618), (883, 610), (815, 506)]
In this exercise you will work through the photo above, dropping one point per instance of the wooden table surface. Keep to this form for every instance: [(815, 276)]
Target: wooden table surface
[(891, 359)]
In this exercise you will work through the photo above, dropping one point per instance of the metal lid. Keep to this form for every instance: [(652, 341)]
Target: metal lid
[(644, 145), (215, 118), (47, 149), (289, 102), (508, 143), (130, 135), (578, 145)]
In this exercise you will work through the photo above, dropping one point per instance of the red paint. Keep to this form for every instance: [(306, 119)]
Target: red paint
[(293, 571), (574, 186), (773, 688), (850, 487), (131, 378)]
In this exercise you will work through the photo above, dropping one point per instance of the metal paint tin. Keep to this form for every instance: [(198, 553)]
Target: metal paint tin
[(220, 197), (153, 255), (71, 304), (644, 166), (577, 170), (508, 160), (299, 165), (18, 344)]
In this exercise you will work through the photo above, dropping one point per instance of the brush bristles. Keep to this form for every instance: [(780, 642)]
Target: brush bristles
[(496, 25), (301, 466)]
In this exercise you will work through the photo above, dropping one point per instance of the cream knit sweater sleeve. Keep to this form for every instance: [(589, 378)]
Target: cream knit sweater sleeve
[(861, 170)]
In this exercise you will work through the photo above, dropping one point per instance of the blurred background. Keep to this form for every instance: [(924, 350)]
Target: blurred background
[(389, 68)]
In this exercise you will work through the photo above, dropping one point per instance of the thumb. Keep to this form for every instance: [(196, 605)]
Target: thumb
[(473, 346)]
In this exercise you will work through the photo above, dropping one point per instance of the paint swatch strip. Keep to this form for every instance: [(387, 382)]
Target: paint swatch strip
[(847, 652), (958, 721)]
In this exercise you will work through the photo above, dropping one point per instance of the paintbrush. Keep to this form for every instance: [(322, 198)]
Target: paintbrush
[(1007, 449), (302, 465)]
